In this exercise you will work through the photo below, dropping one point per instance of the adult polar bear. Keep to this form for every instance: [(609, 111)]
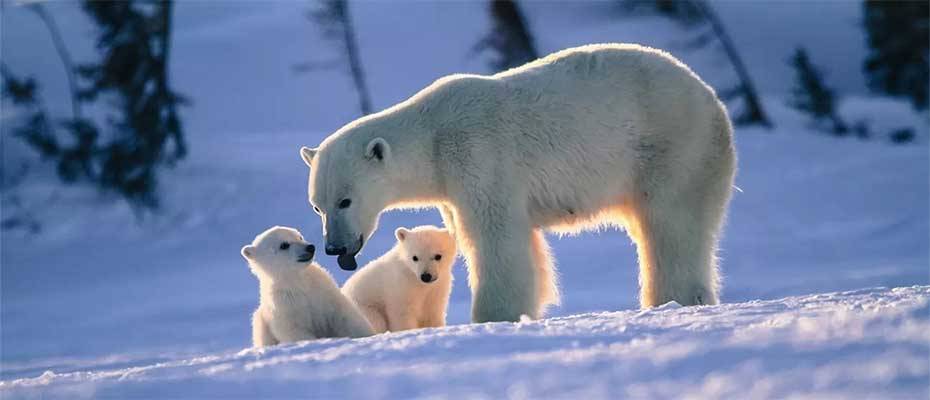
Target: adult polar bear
[(609, 134)]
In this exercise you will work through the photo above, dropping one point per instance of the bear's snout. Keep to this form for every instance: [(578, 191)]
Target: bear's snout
[(332, 250), (308, 253), (426, 277), (346, 254)]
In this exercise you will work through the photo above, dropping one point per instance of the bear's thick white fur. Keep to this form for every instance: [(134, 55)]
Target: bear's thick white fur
[(298, 300), (391, 291), (600, 135)]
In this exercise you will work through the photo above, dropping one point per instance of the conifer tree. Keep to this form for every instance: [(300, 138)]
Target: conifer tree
[(898, 35), (143, 131), (811, 96)]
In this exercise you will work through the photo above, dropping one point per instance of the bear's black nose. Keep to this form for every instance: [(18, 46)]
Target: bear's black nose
[(426, 277), (310, 249), (335, 251)]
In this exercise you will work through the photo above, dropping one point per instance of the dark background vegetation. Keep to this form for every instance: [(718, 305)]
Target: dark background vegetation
[(140, 131)]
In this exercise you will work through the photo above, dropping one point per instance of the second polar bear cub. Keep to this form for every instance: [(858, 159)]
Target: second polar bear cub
[(298, 299), (409, 286)]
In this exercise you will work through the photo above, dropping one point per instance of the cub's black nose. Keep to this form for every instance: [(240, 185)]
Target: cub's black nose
[(310, 249), (335, 251), (426, 277)]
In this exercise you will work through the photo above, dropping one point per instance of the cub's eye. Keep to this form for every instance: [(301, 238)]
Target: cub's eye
[(437, 257), (317, 210), (284, 246), (415, 258), (345, 203)]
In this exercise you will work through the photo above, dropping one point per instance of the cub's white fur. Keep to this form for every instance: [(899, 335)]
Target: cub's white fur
[(600, 135), (397, 293), (298, 299)]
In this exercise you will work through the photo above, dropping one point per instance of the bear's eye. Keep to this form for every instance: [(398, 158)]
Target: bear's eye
[(284, 246), (415, 258), (345, 203), (317, 210), (437, 257)]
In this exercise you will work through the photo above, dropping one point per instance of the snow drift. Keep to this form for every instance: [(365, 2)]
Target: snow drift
[(870, 343)]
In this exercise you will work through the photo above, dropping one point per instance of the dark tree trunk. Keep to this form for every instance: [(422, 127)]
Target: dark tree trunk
[(753, 112), (510, 36), (339, 10)]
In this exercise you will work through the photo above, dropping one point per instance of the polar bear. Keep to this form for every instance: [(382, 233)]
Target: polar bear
[(600, 135), (409, 286), (298, 300)]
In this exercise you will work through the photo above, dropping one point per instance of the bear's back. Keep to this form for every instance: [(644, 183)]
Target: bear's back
[(597, 61)]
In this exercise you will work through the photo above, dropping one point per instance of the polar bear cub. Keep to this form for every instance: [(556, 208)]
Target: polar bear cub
[(409, 286), (298, 299)]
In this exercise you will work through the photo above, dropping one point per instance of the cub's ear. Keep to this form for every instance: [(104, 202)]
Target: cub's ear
[(377, 149), (307, 154), (401, 233), (248, 252)]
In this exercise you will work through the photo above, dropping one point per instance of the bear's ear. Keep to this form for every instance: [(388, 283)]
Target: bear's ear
[(248, 252), (401, 233), (377, 149), (307, 154)]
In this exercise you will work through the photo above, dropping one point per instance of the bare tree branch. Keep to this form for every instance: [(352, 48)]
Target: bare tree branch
[(698, 15), (336, 23), (355, 63), (63, 54), (754, 112)]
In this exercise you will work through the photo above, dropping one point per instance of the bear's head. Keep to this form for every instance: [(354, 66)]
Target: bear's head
[(427, 250), (277, 251), (388, 159), (353, 178)]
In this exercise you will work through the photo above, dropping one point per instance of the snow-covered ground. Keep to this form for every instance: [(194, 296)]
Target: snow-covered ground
[(869, 343), (100, 304)]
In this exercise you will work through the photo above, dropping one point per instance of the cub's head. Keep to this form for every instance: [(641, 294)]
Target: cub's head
[(350, 184), (427, 250), (278, 250)]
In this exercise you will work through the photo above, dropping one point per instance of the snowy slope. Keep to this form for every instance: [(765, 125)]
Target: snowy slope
[(869, 343)]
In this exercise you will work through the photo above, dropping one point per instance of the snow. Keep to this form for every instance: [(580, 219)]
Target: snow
[(869, 343), (100, 304)]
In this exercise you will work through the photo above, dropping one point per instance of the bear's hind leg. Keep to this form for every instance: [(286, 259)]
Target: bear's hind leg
[(676, 246), (547, 286), (376, 318), (348, 321)]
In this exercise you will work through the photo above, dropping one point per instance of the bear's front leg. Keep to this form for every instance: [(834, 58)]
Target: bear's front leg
[(402, 319), (501, 273), (261, 332)]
